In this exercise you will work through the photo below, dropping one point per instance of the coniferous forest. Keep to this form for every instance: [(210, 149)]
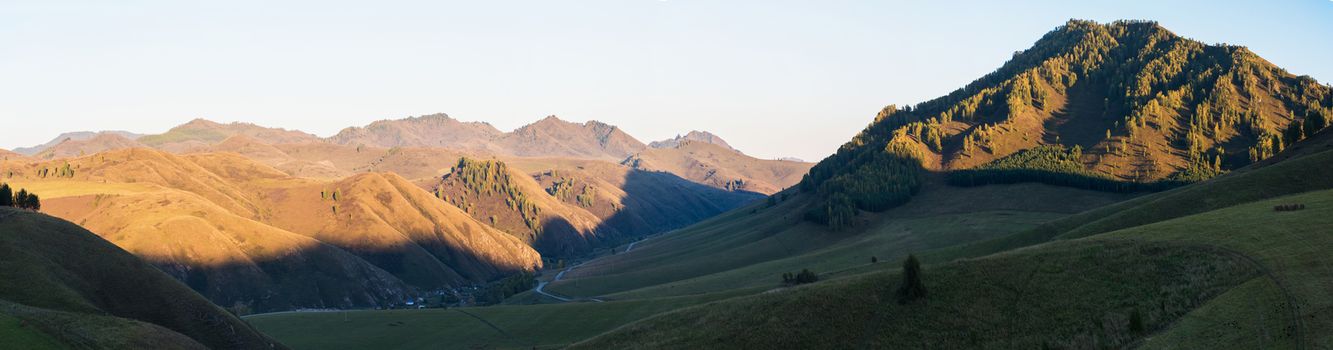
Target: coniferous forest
[(1126, 106)]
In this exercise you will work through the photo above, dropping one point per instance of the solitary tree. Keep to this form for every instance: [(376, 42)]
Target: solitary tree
[(6, 196), (912, 288)]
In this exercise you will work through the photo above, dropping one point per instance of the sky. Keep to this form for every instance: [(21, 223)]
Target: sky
[(773, 78)]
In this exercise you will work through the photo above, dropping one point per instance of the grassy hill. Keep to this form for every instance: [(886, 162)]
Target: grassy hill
[(67, 288), (1208, 265), (1132, 101), (248, 236)]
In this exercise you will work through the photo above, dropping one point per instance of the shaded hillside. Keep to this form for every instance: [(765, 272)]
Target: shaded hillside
[(72, 136), (434, 130), (78, 147), (634, 202), (200, 133), (720, 167), (76, 290), (253, 243), (1138, 102), (693, 135)]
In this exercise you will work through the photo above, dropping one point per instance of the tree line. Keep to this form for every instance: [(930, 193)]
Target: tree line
[(1053, 165)]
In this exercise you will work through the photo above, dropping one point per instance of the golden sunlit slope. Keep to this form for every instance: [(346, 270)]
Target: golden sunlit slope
[(255, 231), (70, 289), (515, 203), (720, 166), (622, 199), (401, 228)]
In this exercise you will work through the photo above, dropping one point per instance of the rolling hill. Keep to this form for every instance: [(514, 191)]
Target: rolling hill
[(262, 240), (67, 288)]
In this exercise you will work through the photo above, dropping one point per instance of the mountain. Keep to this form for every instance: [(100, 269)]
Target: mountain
[(1101, 105), (553, 137), (200, 133), (548, 137), (260, 239), (434, 130), (67, 288), (693, 135), (72, 136), (100, 142), (719, 166)]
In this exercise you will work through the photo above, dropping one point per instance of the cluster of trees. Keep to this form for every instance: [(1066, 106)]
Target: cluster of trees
[(803, 277), (871, 179), (1052, 165), (61, 171), (568, 189), (489, 178), (500, 290), (23, 199)]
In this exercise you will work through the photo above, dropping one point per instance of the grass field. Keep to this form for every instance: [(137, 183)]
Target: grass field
[(507, 326), (15, 334)]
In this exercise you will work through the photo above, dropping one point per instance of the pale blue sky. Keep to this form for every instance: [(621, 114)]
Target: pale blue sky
[(775, 78)]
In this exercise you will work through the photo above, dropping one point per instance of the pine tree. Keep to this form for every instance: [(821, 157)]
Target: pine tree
[(912, 288), (21, 199), (6, 196), (33, 202)]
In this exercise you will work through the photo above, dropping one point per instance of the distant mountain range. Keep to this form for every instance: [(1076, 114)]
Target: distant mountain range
[(549, 137), (271, 219)]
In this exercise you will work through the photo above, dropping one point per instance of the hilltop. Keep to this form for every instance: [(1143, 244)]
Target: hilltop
[(201, 133), (693, 135), (434, 130), (719, 166), (72, 136)]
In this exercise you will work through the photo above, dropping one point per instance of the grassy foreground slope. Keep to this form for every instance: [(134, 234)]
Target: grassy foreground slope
[(753, 246), (1239, 276), (65, 287)]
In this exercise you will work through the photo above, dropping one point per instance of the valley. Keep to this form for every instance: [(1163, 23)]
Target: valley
[(1115, 185)]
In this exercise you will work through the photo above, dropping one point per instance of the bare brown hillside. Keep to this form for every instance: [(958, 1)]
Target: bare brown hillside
[(263, 239), (721, 167)]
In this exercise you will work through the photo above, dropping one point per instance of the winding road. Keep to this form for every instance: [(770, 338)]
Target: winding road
[(541, 286)]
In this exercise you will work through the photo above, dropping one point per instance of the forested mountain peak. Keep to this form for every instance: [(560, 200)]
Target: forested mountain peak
[(1137, 102)]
